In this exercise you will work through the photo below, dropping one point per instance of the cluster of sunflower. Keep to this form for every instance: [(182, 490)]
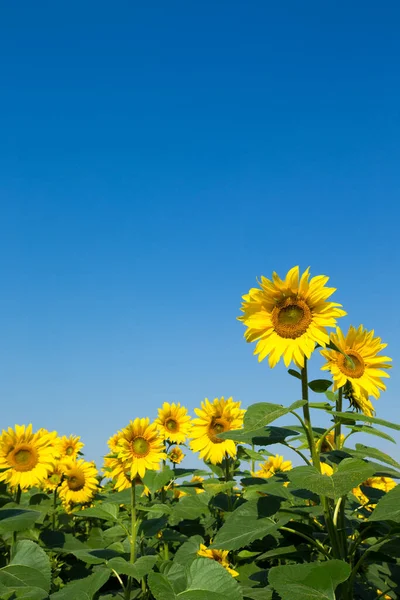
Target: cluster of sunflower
[(288, 318), (48, 462)]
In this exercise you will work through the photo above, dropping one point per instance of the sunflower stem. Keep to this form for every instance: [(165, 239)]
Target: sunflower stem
[(133, 536), (227, 479), (332, 530), (14, 535), (53, 516), (339, 403)]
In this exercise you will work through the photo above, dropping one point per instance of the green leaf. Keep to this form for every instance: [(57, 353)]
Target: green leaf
[(208, 580), (294, 373), (17, 576), (29, 554), (190, 507), (362, 451), (320, 386), (352, 416), (188, 551), (83, 589), (372, 431), (265, 436), (17, 519), (313, 581), (388, 507), (261, 414), (94, 556), (106, 511), (351, 472), (142, 566), (250, 521), (160, 587), (156, 480)]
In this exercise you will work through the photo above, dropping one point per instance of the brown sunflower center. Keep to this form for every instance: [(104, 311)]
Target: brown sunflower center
[(172, 425), (69, 450), (291, 318), (23, 457), (351, 365), (76, 480), (140, 447), (216, 426)]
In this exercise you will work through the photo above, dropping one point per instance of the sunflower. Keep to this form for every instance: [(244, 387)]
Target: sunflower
[(140, 447), (27, 458), (113, 441), (70, 446), (329, 442), (173, 423), (54, 477), (360, 402), (176, 455), (80, 483), (274, 465), (198, 479), (326, 469), (221, 556), (213, 418), (114, 469), (358, 362), (385, 484), (288, 317)]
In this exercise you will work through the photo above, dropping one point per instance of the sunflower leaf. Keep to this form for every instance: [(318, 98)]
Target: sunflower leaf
[(311, 581), (320, 386), (352, 416), (294, 373), (388, 507), (17, 519), (155, 480)]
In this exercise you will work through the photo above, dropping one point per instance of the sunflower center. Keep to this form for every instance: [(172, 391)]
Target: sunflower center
[(140, 447), (291, 318), (172, 425), (353, 366), (217, 425), (23, 457), (76, 480), (69, 451), (55, 478)]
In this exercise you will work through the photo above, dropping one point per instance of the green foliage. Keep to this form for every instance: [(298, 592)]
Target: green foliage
[(309, 582)]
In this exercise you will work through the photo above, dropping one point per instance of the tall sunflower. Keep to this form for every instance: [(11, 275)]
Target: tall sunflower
[(288, 317), (80, 483), (27, 458), (173, 423), (214, 418), (361, 364), (140, 447), (176, 455), (70, 446), (54, 477)]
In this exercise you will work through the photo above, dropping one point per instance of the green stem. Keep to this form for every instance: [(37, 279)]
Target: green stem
[(339, 404), (352, 577), (297, 452), (307, 417), (315, 543), (53, 516), (14, 535), (227, 479), (166, 551), (132, 537)]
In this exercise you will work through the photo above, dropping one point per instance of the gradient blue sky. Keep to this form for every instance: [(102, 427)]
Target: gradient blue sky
[(155, 158)]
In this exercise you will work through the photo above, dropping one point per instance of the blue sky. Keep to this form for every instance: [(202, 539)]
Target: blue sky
[(154, 160)]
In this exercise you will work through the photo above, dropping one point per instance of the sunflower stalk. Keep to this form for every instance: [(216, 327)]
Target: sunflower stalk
[(332, 530), (132, 537), (14, 535)]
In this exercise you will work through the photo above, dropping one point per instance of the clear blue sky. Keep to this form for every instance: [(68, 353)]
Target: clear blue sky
[(155, 158)]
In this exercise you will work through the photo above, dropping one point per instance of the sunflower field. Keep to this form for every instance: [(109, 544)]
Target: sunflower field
[(250, 525)]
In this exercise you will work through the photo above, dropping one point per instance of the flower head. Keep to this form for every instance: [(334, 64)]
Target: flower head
[(221, 556), (140, 447), (176, 455), (80, 483), (358, 362), (173, 423), (385, 484), (329, 442), (214, 418), (27, 457), (70, 446), (274, 465), (288, 317)]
